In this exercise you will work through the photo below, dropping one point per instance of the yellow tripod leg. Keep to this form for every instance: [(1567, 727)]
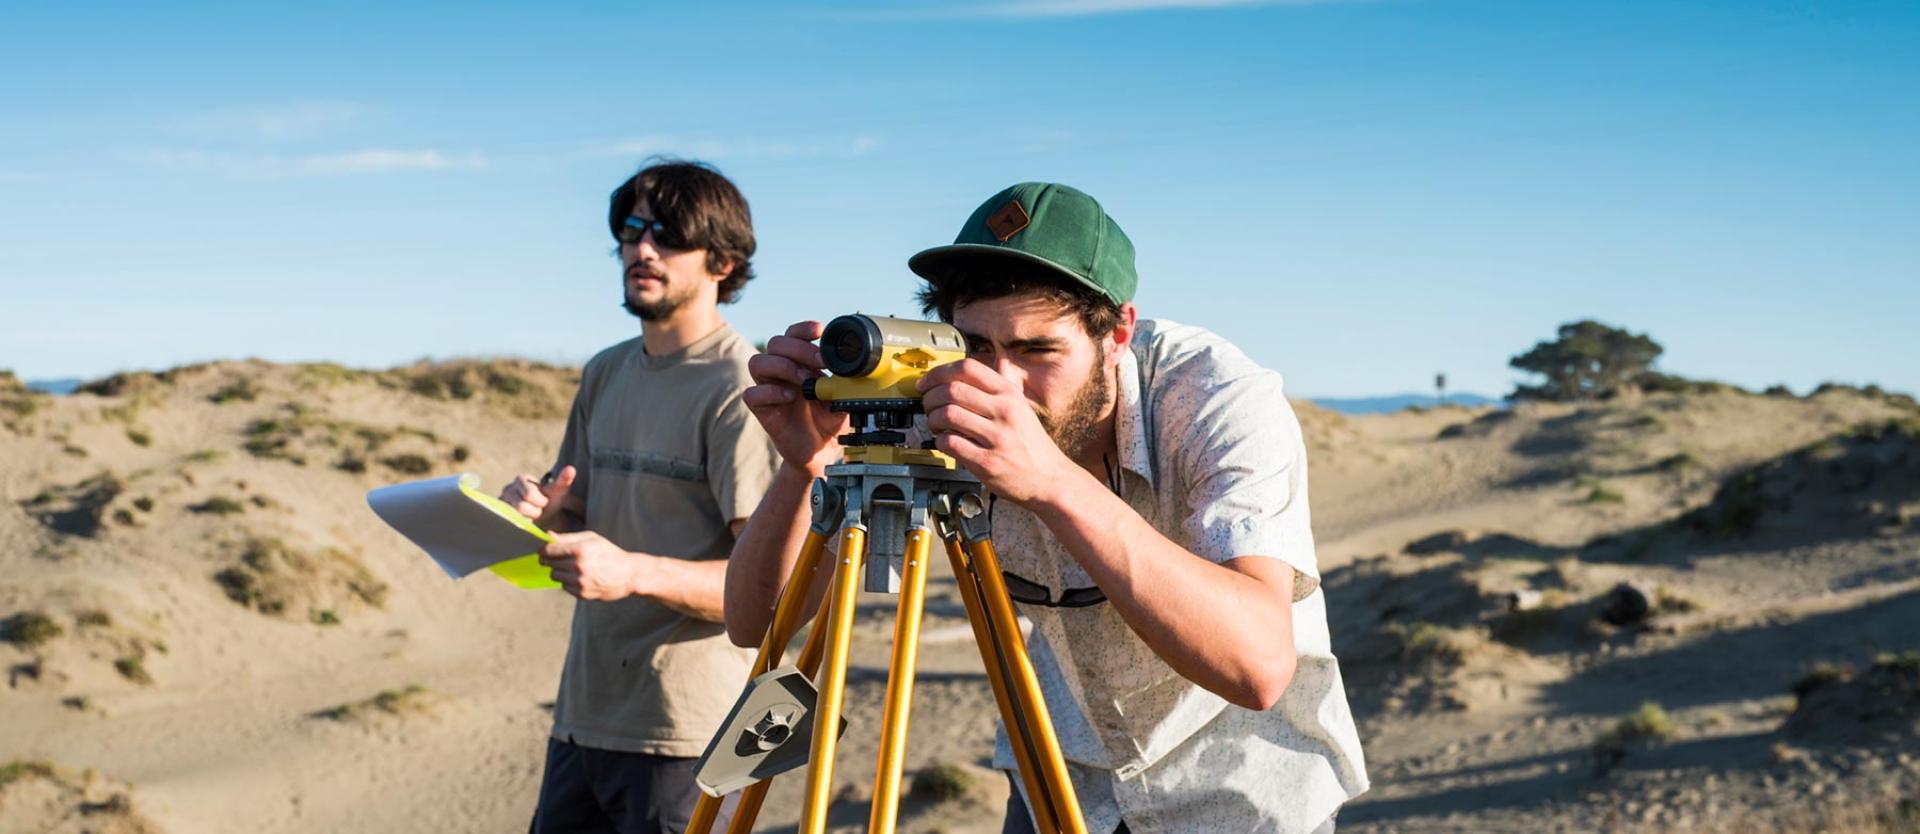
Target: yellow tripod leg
[(832, 680), (1010, 716), (900, 671), (752, 796), (1053, 767), (786, 616)]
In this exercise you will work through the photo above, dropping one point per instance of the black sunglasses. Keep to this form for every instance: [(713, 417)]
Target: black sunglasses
[(1023, 590), (636, 228)]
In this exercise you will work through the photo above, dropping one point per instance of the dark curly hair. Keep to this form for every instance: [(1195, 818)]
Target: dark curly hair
[(998, 277), (702, 207)]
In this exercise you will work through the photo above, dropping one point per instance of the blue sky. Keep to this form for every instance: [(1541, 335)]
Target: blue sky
[(1360, 194)]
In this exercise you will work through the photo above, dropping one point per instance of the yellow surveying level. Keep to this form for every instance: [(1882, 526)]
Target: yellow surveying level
[(888, 504)]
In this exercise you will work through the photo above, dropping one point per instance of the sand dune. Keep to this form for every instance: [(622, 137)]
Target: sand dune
[(207, 631)]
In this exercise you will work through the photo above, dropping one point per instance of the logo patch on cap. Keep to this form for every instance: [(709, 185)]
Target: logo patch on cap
[(1008, 221)]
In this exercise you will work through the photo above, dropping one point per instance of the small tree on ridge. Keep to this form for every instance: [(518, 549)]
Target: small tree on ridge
[(1588, 361)]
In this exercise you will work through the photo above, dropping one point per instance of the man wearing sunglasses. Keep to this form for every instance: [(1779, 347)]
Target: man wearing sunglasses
[(1149, 491), (660, 465)]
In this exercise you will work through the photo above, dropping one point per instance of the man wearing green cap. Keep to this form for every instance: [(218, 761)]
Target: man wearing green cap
[(1149, 488)]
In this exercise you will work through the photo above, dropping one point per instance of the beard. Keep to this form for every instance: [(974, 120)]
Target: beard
[(655, 310), (1073, 429), (669, 302)]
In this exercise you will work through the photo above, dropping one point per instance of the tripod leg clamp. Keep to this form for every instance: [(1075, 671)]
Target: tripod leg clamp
[(825, 501)]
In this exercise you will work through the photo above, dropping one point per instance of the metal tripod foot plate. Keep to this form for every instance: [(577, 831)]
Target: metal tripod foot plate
[(769, 732)]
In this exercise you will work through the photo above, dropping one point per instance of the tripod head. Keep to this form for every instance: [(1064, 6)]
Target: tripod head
[(876, 363)]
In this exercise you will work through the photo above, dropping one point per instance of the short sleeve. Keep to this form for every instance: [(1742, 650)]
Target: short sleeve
[(1244, 464), (576, 448), (741, 460)]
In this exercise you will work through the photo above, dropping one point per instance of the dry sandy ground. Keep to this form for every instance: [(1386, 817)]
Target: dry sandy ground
[(207, 631)]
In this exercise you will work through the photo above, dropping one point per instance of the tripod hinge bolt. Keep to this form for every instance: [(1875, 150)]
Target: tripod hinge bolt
[(969, 505)]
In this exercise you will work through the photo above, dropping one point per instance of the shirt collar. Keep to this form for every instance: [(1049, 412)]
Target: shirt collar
[(1130, 420)]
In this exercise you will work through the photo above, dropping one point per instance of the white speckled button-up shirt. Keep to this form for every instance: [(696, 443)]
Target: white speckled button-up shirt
[(1211, 455)]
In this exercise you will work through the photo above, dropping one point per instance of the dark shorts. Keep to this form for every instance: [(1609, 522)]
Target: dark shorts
[(587, 790)]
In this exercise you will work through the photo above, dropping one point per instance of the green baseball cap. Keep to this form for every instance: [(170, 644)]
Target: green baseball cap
[(1040, 223)]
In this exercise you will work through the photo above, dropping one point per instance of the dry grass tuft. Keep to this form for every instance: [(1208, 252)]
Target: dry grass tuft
[(412, 699)]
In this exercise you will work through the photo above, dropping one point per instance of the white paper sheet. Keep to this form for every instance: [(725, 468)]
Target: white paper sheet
[(462, 529)]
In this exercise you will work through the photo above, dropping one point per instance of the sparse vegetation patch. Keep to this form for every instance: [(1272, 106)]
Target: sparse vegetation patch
[(17, 401), (408, 464), (133, 667), (77, 509), (28, 629), (940, 783), (299, 434), (1644, 727), (239, 390), (411, 699), (1427, 644), (1834, 703), (218, 505), (274, 578)]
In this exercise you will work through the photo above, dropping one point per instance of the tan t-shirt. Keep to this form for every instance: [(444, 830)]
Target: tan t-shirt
[(666, 456)]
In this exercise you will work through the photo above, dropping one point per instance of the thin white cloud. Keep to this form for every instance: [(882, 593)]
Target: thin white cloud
[(299, 120), (274, 166), (1018, 9), (379, 160)]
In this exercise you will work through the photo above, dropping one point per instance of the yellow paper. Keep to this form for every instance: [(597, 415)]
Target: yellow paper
[(525, 571)]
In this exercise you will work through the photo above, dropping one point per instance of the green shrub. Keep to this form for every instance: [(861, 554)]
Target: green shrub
[(393, 701), (28, 629), (1646, 725), (942, 782), (506, 383), (1669, 601), (1426, 643), (1736, 508), (239, 390), (410, 698), (218, 505), (244, 587), (19, 769), (1677, 463), (1602, 495), (1820, 675), (133, 667), (410, 464), (1907, 662), (139, 438)]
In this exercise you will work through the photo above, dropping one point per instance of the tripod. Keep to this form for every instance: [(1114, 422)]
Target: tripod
[(888, 503)]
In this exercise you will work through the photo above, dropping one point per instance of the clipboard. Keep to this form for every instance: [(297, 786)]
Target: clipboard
[(465, 530)]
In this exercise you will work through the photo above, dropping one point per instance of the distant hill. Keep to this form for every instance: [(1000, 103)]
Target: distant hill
[(1397, 402), (55, 386)]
